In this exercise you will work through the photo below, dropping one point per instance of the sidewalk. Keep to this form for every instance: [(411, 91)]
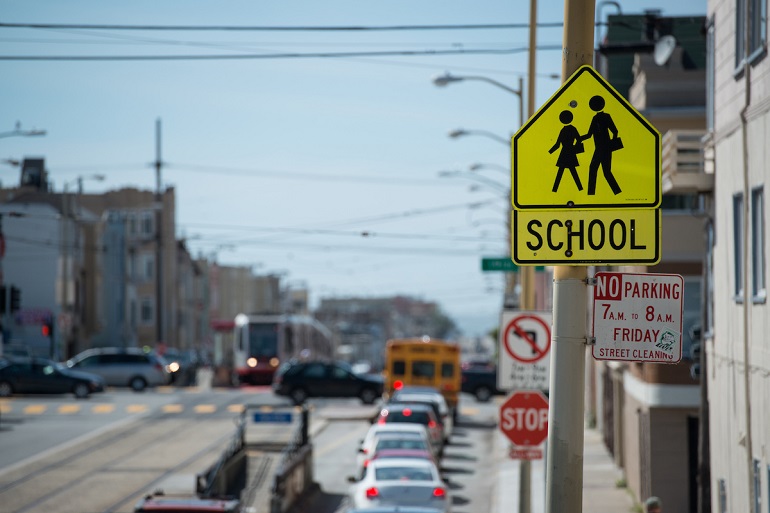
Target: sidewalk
[(600, 475)]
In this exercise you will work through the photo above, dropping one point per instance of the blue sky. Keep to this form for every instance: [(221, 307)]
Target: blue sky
[(283, 163)]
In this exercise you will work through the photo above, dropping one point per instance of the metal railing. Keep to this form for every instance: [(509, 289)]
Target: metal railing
[(210, 483)]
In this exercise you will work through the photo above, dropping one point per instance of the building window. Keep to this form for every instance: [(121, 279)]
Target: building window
[(722, 496), (148, 224), (147, 311), (756, 12), (148, 267), (757, 487), (738, 246), (758, 291), (710, 89)]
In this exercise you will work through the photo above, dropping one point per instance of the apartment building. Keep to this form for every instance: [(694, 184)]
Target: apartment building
[(737, 348)]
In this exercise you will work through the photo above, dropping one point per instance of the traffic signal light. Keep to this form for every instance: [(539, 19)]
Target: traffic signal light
[(47, 328), (15, 299)]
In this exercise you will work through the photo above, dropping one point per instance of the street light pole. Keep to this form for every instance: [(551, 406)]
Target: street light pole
[(448, 78), (460, 132), (22, 133)]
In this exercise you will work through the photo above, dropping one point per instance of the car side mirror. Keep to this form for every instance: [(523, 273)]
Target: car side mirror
[(352, 479)]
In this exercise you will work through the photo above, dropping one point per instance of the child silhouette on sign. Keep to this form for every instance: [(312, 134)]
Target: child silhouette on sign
[(600, 129), (569, 140)]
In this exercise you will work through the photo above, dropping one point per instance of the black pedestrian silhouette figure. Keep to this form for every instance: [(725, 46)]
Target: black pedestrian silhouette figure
[(604, 145), (569, 140)]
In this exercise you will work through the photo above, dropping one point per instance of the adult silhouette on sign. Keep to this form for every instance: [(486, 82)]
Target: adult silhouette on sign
[(569, 140), (600, 129)]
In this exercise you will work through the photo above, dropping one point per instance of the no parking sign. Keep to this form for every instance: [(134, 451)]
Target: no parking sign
[(525, 351)]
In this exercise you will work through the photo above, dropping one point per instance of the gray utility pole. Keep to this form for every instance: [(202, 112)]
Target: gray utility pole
[(159, 310), (564, 466), (528, 272)]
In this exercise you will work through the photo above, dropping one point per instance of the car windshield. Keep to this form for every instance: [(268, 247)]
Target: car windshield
[(400, 443), (407, 415), (403, 474)]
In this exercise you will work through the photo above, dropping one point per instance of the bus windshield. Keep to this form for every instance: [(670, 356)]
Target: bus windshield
[(263, 339)]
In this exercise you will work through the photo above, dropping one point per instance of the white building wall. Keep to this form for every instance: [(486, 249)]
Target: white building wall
[(736, 442)]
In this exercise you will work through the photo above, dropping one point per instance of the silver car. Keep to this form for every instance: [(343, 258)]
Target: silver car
[(123, 367)]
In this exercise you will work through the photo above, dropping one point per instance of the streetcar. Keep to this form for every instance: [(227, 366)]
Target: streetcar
[(262, 342)]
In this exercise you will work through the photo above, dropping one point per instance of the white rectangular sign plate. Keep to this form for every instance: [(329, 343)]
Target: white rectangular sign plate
[(638, 317)]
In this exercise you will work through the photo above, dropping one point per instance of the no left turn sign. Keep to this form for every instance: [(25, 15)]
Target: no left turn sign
[(527, 338), (525, 349)]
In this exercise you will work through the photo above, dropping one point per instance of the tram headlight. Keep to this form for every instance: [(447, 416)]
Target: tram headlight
[(251, 362), (274, 362)]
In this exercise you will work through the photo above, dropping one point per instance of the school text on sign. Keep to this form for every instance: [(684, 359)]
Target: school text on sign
[(638, 317), (586, 237)]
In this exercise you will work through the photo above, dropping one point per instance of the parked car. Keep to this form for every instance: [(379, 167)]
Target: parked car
[(415, 414), (402, 482), (300, 380), (24, 375), (432, 397), (395, 442), (123, 367), (481, 383)]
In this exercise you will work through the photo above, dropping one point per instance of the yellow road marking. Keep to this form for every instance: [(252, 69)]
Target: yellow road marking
[(469, 411), (103, 408), (5, 408), (172, 408), (205, 408), (136, 408), (236, 408), (35, 409), (165, 389), (69, 408)]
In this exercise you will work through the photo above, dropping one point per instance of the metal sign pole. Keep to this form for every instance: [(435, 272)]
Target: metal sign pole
[(564, 466)]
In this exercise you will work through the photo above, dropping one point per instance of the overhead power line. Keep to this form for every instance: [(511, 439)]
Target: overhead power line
[(263, 28), (289, 55)]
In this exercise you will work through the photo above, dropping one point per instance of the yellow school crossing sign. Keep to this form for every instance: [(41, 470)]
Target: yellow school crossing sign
[(586, 148), (585, 175)]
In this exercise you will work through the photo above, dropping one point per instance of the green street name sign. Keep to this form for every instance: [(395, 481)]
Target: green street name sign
[(504, 264)]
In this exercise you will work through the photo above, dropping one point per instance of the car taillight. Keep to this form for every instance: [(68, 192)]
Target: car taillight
[(366, 463), (439, 492), (398, 384), (373, 492), (431, 424), (381, 421)]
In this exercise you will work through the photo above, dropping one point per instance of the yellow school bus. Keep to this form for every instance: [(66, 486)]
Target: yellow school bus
[(423, 362)]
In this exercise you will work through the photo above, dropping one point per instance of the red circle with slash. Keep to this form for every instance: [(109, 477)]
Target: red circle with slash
[(520, 331)]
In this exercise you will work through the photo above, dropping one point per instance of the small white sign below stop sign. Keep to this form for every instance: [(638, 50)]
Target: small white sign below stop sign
[(524, 418)]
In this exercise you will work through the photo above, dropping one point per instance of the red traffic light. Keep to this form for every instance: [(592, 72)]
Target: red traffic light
[(46, 330)]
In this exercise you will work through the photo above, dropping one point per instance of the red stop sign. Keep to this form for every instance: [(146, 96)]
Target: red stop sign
[(524, 418)]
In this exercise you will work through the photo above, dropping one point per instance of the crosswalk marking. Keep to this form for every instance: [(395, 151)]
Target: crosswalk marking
[(8, 407)]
